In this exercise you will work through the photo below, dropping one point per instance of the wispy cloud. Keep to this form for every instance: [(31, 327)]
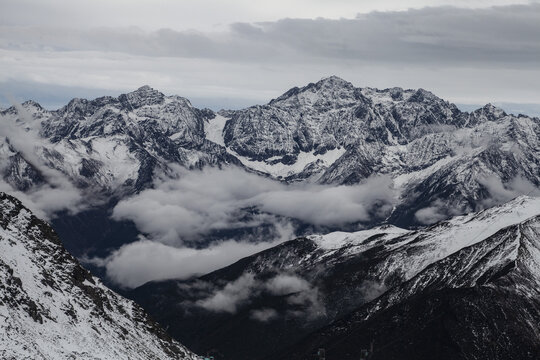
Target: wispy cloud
[(56, 193), (264, 315), (500, 192), (231, 296), (302, 298), (496, 192)]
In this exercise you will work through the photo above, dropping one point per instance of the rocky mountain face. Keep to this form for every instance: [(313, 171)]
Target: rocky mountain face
[(334, 133), (333, 113), (52, 308), (446, 291)]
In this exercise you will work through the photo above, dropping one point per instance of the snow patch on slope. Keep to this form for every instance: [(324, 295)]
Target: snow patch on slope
[(213, 129), (339, 239), (280, 170), (401, 180)]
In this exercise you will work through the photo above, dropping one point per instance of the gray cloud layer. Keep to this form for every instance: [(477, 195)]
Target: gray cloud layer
[(499, 36), (467, 55)]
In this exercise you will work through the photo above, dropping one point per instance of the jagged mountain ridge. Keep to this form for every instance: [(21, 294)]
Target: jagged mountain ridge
[(333, 113), (392, 131), (52, 308), (317, 118), (376, 270)]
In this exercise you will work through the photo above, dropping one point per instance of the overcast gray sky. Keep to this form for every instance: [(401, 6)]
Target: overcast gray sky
[(240, 52)]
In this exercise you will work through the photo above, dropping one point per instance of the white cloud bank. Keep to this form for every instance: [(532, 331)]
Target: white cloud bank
[(137, 263), (198, 202), (212, 199)]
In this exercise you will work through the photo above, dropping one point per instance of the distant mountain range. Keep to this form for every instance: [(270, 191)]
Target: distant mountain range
[(330, 132)]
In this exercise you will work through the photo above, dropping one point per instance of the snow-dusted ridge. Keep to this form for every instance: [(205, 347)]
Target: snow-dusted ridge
[(52, 308), (414, 250), (492, 255)]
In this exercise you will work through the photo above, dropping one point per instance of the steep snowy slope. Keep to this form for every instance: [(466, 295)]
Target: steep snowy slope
[(482, 302), (52, 308), (308, 283)]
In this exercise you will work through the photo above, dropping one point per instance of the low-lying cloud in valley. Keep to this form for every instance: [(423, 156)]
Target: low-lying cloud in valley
[(185, 211), (212, 199), (137, 263), (500, 193), (496, 193), (301, 297)]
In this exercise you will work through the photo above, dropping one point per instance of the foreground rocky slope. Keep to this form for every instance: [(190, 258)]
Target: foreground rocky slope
[(482, 302), (52, 308), (372, 280)]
